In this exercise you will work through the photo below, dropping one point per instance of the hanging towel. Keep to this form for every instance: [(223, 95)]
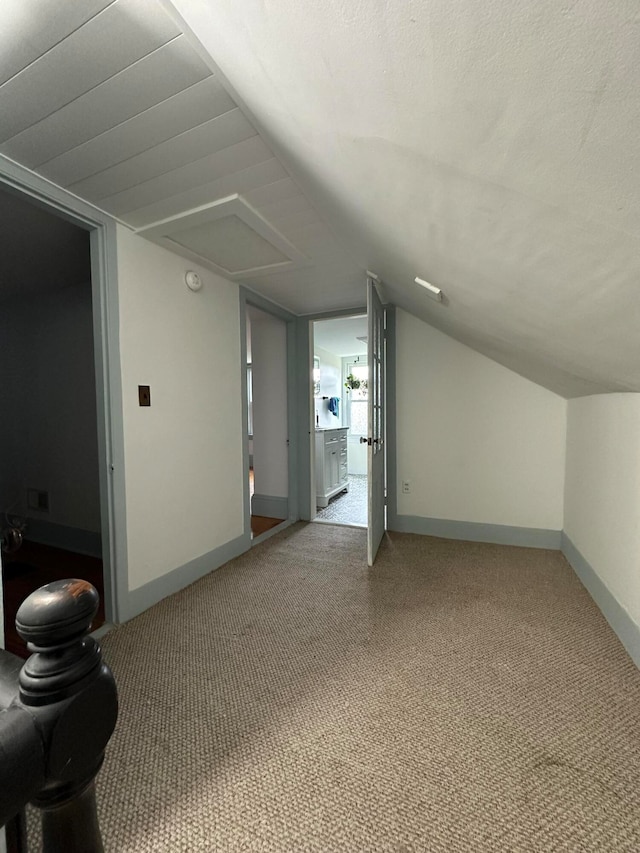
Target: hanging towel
[(334, 405)]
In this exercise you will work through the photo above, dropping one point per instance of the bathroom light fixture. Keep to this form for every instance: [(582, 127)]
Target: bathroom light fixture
[(433, 291)]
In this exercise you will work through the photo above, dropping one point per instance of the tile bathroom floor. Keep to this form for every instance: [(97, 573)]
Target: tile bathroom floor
[(348, 507)]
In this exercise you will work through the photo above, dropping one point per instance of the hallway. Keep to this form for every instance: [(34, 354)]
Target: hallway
[(455, 697)]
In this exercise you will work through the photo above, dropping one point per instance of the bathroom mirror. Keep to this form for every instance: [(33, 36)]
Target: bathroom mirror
[(316, 376)]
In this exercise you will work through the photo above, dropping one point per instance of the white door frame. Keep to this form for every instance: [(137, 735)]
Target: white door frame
[(305, 410), (376, 440), (248, 297)]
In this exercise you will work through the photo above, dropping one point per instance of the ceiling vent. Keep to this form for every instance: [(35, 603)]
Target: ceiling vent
[(229, 237)]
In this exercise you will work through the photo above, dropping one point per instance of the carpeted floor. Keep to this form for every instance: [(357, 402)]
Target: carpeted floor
[(456, 697)]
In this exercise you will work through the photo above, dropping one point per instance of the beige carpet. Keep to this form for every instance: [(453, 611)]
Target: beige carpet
[(457, 697)]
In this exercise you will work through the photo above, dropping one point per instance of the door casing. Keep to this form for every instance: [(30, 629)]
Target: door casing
[(248, 297), (104, 291), (305, 410)]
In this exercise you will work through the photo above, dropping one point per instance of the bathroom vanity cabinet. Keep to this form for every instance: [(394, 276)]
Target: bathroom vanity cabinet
[(331, 464)]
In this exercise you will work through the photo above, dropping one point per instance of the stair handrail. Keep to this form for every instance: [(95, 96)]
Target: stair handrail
[(58, 710)]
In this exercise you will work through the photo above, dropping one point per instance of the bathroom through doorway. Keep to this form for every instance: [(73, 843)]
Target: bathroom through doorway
[(340, 401)]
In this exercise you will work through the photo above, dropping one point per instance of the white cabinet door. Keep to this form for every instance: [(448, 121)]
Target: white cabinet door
[(332, 465)]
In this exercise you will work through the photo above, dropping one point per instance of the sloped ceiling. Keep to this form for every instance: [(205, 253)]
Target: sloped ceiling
[(489, 148), (110, 100)]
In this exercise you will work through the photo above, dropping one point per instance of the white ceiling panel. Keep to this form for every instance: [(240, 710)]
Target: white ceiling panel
[(308, 277), (121, 34), (306, 291), (231, 244), (267, 172), (152, 79), (315, 240), (287, 222), (150, 128), (281, 208), (288, 212), (214, 135), (291, 213), (272, 192), (233, 159), (230, 237), (29, 31)]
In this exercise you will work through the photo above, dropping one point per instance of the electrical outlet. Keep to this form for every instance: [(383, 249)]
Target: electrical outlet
[(38, 499), (144, 395), (406, 487)]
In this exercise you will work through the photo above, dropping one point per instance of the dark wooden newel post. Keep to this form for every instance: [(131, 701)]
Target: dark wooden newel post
[(64, 713)]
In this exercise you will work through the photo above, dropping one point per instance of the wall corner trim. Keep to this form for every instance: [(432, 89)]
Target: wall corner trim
[(470, 531), (151, 593), (627, 631)]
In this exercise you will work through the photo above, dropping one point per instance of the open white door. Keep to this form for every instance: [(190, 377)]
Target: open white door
[(376, 437)]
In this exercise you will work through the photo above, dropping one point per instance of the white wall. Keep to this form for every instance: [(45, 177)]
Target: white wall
[(270, 427), (48, 426), (183, 455), (602, 498), (330, 386), (477, 442)]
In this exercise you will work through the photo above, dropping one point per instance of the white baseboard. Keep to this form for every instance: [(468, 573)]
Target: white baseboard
[(627, 630)]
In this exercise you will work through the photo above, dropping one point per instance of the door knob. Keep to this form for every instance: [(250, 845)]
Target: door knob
[(364, 440)]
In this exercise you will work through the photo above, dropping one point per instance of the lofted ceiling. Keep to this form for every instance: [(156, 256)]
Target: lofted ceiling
[(110, 100), (488, 148)]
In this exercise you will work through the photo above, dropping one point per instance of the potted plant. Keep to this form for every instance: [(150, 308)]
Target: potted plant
[(353, 383)]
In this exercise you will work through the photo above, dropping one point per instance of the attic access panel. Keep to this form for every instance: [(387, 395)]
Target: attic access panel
[(229, 237)]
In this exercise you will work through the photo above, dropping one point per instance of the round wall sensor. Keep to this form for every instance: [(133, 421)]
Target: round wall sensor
[(193, 280)]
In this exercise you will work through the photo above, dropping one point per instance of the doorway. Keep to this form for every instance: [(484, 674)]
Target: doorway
[(50, 497), (340, 401), (267, 420)]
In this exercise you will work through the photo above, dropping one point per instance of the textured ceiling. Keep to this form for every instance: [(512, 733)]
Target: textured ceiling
[(110, 100), (341, 336), (489, 148)]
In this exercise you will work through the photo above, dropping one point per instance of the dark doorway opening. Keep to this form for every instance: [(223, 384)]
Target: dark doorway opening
[(49, 470)]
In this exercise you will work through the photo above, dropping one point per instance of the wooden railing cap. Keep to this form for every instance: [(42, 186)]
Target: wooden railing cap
[(57, 613)]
